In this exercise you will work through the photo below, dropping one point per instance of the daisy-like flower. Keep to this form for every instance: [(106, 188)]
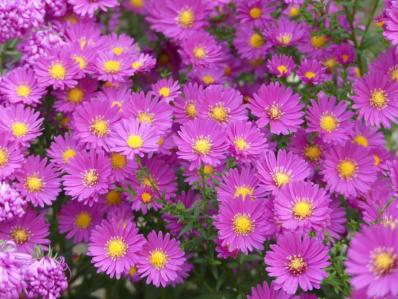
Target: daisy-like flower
[(208, 75), (372, 261), (345, 53), (26, 232), (386, 63), (330, 119), (376, 99), (113, 68), (87, 177), (201, 49), (160, 260), (177, 19), (122, 167), (143, 63), (201, 142), (119, 44), (131, 138), (311, 71), (56, 69), (302, 207), (186, 106), (277, 106), (309, 147), (240, 184), (20, 86), (22, 123), (38, 181), (263, 291), (93, 123), (246, 141), (83, 56), (242, 225), (336, 226), (254, 12), (166, 90), (89, 7), (77, 220), (11, 157), (222, 104), (148, 110), (116, 96), (297, 261), (145, 199), (251, 43), (114, 246), (11, 203), (367, 137), (390, 24), (286, 33), (63, 149), (281, 65), (348, 169), (276, 172)]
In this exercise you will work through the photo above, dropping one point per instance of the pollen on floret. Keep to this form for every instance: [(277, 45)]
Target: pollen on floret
[(117, 51), (137, 3), (91, 177), (275, 112), (328, 122), (68, 154), (208, 79), (318, 41), (378, 99), (186, 18), (83, 220), (119, 161), (384, 261), (347, 169), (113, 198), (199, 52), (23, 91), (255, 13), (20, 235), (281, 178), (282, 69), (34, 183), (256, 40), (19, 129), (99, 127), (81, 61), (3, 157), (302, 209), (57, 71), (190, 110), (76, 95), (312, 152), (136, 65), (310, 75), (285, 38), (243, 191), (164, 91), (135, 141), (146, 197), (242, 224), (116, 248), (296, 265), (241, 144), (158, 259), (112, 66), (202, 145), (361, 140), (219, 113), (145, 117)]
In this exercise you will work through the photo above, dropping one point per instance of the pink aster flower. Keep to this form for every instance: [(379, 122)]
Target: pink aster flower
[(11, 157), (143, 63), (391, 25), (208, 75), (201, 142), (309, 147), (22, 123), (145, 199), (113, 68), (278, 171), (11, 203), (201, 49), (83, 56), (119, 44), (386, 63), (177, 19), (77, 220), (376, 99), (311, 71), (263, 291), (348, 169), (114, 247), (242, 225), (26, 232), (160, 260), (131, 138), (87, 177), (277, 106), (240, 184), (38, 181), (302, 207), (93, 123), (123, 168), (281, 65), (166, 90), (286, 33), (63, 150), (89, 7), (186, 105), (372, 261), (251, 43), (367, 137), (297, 261), (222, 104), (332, 120), (257, 13), (20, 86), (116, 96), (345, 53), (336, 226)]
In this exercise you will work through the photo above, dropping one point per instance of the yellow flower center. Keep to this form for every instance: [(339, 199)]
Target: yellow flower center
[(302, 209), (186, 18), (158, 259), (208, 170), (23, 90), (164, 91), (19, 129), (296, 265), (347, 169), (137, 3), (91, 177), (328, 122), (3, 157), (318, 41), (57, 71), (243, 191), (281, 178), (149, 181), (118, 161), (113, 198), (241, 144), (384, 261), (34, 184), (361, 140), (81, 61), (116, 248), (146, 197), (242, 224), (145, 117), (199, 52), (202, 145), (219, 113), (378, 99), (99, 127), (132, 271), (112, 66), (394, 73), (275, 112), (68, 154), (83, 220), (208, 79), (294, 11), (345, 57), (190, 110), (255, 13), (135, 141), (285, 38), (310, 75), (256, 40), (136, 65), (76, 95), (377, 160), (330, 63), (312, 152), (117, 51), (20, 235), (282, 69)]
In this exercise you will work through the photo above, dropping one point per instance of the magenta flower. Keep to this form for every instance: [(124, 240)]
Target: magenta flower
[(186, 105), (11, 157), (123, 168), (276, 172), (201, 142), (166, 90), (297, 261), (143, 63), (113, 68), (12, 205), (368, 137), (251, 43), (161, 259), (263, 291), (336, 226), (386, 63), (243, 225), (348, 169), (286, 33), (376, 98), (26, 232), (145, 199), (63, 150), (277, 106), (38, 181), (88, 7), (281, 65), (372, 261), (311, 72), (114, 247), (345, 53), (256, 13), (307, 146)]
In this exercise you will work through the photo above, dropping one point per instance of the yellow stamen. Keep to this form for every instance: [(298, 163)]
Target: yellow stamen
[(116, 248), (23, 91), (20, 235), (118, 161), (99, 127), (347, 169), (242, 224), (135, 141), (186, 18), (91, 177), (19, 129), (83, 220), (256, 40), (76, 95), (302, 209), (57, 71), (219, 113), (158, 259), (112, 66), (328, 122), (202, 146), (255, 13), (3, 157), (378, 99), (34, 183)]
